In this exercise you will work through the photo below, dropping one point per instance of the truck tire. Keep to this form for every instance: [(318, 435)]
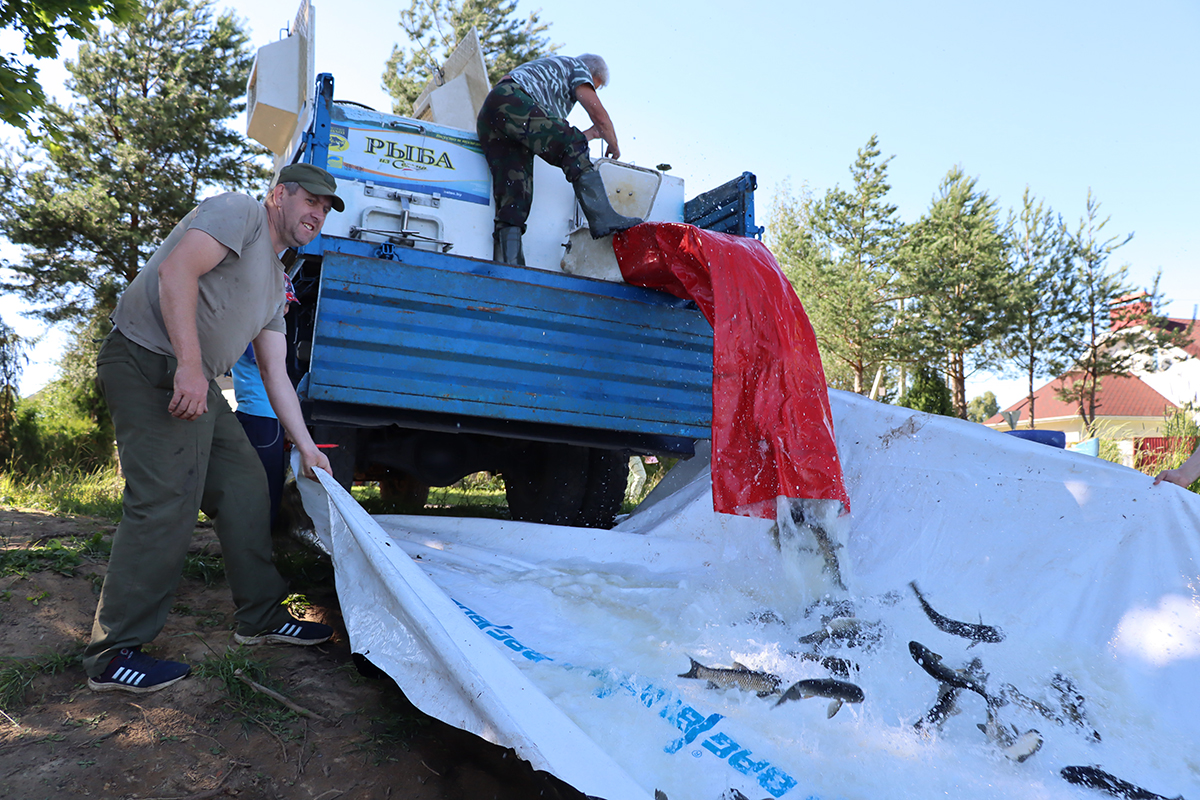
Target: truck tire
[(608, 475), (546, 482), (403, 492)]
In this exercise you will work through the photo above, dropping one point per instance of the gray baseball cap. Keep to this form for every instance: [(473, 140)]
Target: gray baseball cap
[(314, 179)]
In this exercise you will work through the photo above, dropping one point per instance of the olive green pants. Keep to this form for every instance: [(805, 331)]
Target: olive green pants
[(174, 468)]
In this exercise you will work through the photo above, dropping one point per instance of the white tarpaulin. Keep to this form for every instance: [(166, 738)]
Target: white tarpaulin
[(568, 644)]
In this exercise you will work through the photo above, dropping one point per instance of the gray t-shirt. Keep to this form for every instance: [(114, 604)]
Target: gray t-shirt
[(551, 81), (239, 298)]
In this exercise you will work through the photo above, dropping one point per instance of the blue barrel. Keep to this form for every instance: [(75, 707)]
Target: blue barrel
[(1052, 438)]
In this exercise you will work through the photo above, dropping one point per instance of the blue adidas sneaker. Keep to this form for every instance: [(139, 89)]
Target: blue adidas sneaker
[(131, 670), (294, 631)]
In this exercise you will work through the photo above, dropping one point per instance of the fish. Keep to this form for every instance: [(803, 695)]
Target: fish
[(1096, 778), (763, 684), (931, 662), (838, 666), (838, 691), (947, 699), (1016, 745), (967, 630), (1072, 703), (797, 520), (850, 630), (945, 707)]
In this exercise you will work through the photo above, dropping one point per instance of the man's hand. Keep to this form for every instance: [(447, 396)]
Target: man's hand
[(190, 400), (311, 459), (1174, 476), (1184, 475), (178, 288)]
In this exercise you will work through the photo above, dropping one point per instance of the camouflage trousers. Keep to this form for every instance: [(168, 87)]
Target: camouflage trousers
[(512, 130)]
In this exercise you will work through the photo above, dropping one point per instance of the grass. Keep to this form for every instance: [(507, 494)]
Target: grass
[(54, 556), (18, 674), (65, 491), (248, 704)]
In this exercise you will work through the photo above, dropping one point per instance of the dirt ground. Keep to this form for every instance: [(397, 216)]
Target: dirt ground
[(355, 736)]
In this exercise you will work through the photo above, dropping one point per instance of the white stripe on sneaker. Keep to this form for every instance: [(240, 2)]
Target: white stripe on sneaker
[(129, 677)]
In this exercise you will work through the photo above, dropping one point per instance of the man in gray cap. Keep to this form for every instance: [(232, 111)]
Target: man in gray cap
[(213, 286)]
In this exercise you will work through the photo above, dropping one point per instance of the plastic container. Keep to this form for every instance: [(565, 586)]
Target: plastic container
[(1051, 438)]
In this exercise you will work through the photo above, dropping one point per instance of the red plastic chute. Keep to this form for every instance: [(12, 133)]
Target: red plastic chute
[(772, 427)]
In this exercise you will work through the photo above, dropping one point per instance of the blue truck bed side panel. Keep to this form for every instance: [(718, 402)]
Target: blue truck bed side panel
[(431, 334)]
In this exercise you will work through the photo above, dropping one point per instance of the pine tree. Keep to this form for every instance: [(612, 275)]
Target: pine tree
[(435, 27), (957, 271), (842, 255), (1050, 309), (145, 141)]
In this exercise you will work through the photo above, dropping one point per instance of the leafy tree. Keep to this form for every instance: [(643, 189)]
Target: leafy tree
[(146, 140), (435, 27), (1123, 331), (12, 360), (956, 269), (983, 407), (929, 393), (1050, 311), (42, 23)]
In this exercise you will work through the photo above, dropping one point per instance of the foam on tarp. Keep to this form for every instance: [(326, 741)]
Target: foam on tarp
[(1091, 573)]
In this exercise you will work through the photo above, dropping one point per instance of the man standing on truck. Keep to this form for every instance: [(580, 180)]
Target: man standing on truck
[(526, 115), (214, 285)]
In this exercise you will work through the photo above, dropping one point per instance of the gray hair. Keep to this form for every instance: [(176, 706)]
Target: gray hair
[(597, 67)]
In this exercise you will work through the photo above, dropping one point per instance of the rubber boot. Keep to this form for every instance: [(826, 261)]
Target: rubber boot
[(506, 245), (602, 219)]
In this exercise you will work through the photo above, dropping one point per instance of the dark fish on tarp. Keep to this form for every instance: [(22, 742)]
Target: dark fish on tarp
[(840, 667), (1072, 703), (850, 631), (945, 707), (931, 662), (1096, 778), (837, 691), (744, 678), (967, 630)]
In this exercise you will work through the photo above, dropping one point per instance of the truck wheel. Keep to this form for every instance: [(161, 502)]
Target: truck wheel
[(547, 483), (403, 492), (608, 475)]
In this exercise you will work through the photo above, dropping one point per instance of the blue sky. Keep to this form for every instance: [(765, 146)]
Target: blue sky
[(1061, 96)]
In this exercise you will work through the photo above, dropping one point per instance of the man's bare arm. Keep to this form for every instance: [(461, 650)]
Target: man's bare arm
[(178, 289), (270, 350), (601, 123)]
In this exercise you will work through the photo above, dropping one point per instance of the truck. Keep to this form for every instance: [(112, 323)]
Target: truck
[(420, 360)]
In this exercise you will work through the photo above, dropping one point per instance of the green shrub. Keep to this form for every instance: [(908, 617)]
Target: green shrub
[(50, 433)]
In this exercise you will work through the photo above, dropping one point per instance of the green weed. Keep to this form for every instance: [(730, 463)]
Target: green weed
[(297, 605), (204, 567), (18, 674), (245, 702)]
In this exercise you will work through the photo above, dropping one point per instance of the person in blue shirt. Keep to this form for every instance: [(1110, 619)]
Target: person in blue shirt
[(258, 418)]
